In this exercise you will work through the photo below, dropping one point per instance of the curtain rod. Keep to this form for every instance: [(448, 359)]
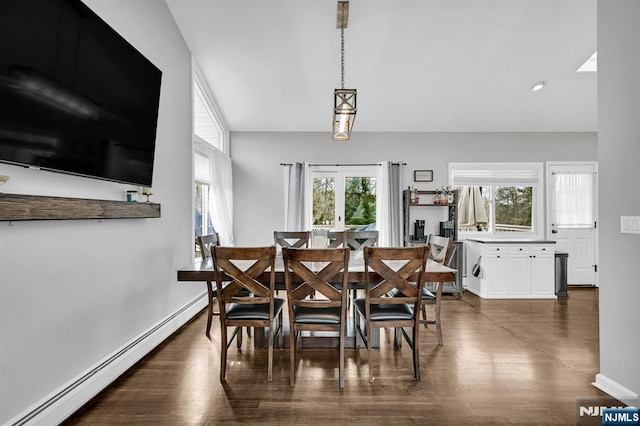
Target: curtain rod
[(345, 165)]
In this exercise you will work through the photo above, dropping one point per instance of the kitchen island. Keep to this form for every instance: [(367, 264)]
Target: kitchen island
[(511, 268)]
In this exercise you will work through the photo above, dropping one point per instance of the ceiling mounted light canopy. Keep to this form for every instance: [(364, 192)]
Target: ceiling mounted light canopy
[(344, 100), (538, 86)]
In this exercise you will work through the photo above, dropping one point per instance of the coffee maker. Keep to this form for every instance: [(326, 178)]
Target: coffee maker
[(446, 229), (418, 230)]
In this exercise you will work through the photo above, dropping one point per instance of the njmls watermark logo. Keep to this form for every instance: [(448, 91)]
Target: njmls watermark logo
[(621, 416), (605, 410)]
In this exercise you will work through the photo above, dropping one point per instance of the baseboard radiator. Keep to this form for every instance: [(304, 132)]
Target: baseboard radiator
[(63, 402)]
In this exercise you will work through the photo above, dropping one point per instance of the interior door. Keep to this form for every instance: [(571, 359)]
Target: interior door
[(572, 190)]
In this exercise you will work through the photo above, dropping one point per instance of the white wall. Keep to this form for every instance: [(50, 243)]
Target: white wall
[(74, 291), (258, 176), (618, 155)]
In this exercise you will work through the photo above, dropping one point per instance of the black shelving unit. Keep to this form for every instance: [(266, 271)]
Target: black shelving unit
[(426, 198)]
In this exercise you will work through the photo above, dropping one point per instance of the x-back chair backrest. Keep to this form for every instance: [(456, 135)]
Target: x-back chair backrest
[(258, 260), (335, 239), (440, 248), (358, 240), (297, 239), (398, 268), (301, 280), (205, 242)]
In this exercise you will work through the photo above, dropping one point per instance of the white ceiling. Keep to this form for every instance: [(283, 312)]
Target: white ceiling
[(418, 65)]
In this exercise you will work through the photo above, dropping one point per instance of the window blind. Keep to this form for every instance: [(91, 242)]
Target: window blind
[(201, 169), (478, 174)]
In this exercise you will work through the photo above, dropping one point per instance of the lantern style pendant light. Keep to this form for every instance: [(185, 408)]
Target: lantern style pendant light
[(344, 103)]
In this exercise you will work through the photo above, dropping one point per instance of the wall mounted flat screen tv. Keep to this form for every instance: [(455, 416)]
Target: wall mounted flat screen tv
[(75, 97)]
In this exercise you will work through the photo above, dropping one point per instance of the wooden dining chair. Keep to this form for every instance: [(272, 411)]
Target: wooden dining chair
[(297, 239), (394, 280), (291, 239), (358, 240), (245, 301), (316, 271), (335, 239), (440, 250), (205, 243)]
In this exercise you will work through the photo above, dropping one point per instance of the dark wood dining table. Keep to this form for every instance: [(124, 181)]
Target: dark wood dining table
[(202, 271)]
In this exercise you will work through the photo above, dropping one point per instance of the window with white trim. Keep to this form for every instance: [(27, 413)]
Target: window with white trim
[(211, 165), (202, 217), (499, 199), (204, 126)]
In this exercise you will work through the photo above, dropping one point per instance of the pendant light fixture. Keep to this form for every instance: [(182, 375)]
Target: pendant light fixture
[(344, 104)]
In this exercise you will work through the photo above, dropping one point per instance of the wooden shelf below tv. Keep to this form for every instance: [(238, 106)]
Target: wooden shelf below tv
[(16, 207)]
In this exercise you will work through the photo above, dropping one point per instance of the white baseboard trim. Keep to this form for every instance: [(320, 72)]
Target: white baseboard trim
[(60, 404), (616, 390)]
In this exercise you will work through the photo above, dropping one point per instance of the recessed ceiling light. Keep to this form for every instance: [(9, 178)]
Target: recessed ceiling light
[(538, 86), (590, 65)]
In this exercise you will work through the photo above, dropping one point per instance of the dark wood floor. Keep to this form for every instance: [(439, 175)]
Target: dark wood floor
[(503, 362)]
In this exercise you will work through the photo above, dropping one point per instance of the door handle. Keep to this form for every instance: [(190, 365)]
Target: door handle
[(553, 231)]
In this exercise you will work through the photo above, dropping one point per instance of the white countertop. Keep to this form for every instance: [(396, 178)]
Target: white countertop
[(510, 241)]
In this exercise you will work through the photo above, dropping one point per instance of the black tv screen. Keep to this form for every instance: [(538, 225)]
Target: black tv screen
[(75, 97)]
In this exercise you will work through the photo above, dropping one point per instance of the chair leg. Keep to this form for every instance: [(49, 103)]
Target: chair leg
[(424, 316), (292, 354), (298, 341), (369, 357), (281, 335), (209, 318), (343, 326), (397, 338), (356, 330), (354, 295), (416, 353), (239, 339), (270, 357), (210, 308), (438, 324), (223, 352)]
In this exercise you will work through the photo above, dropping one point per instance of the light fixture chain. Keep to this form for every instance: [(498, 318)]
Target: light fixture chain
[(342, 55)]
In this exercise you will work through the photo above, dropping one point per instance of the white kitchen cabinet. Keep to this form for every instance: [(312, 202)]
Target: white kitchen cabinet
[(496, 270), (519, 275), (512, 269), (542, 271)]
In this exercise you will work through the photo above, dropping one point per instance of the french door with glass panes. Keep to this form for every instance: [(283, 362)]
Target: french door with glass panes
[(344, 198)]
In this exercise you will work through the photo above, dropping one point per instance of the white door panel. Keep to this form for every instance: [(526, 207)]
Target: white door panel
[(580, 244), (582, 270), (580, 241)]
